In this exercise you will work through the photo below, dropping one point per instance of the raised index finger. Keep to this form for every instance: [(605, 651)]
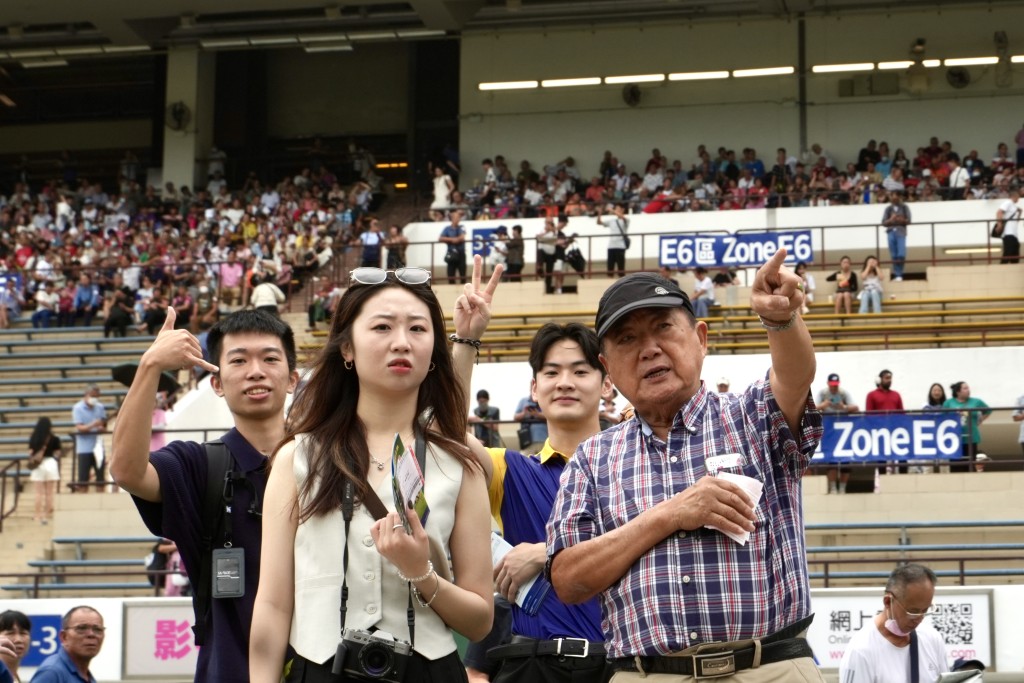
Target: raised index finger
[(775, 262), (478, 266)]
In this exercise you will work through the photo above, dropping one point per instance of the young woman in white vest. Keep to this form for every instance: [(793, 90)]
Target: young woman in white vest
[(385, 363)]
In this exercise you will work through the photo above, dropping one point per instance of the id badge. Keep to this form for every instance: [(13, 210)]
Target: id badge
[(228, 573)]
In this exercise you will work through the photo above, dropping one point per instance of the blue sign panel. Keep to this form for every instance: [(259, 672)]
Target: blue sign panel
[(45, 638), (742, 250), (482, 241), (877, 438)]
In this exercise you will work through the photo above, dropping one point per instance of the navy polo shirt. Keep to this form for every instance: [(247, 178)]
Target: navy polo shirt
[(522, 493), (182, 468), (58, 668)]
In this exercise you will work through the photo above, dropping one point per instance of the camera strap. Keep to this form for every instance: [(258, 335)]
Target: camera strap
[(376, 508)]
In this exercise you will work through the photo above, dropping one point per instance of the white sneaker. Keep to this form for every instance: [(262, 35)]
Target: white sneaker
[(897, 279)]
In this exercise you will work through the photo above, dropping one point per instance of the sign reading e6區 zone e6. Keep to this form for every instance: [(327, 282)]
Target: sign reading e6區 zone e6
[(740, 250)]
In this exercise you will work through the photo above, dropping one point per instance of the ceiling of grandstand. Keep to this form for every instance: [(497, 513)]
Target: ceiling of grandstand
[(28, 25)]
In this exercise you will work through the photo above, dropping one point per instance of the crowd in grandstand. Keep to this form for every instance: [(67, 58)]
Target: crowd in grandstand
[(727, 181), (74, 252)]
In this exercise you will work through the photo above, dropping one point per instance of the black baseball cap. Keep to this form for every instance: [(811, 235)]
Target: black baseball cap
[(636, 291), (833, 379), (962, 664)]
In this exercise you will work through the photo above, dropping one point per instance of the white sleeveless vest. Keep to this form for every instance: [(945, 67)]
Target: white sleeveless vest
[(376, 596)]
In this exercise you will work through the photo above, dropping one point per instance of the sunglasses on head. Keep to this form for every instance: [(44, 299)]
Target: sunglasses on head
[(376, 276)]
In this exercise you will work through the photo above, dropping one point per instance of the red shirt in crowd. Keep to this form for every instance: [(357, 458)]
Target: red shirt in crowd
[(884, 399)]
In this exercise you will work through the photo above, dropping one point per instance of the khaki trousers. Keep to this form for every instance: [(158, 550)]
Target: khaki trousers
[(802, 670)]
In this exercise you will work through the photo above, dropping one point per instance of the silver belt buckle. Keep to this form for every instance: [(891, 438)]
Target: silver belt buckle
[(715, 663), (586, 647)]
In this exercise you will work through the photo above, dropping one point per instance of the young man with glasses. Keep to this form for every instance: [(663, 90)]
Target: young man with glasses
[(81, 637), (886, 648)]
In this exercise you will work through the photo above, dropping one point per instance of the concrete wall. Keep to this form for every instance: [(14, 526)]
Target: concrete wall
[(54, 137), (361, 92), (545, 125)]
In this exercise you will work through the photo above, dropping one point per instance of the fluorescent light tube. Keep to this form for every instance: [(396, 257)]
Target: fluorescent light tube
[(971, 61), (223, 42), (931, 63), (1017, 59), (508, 85), (43, 63), (769, 71), (329, 47), (842, 68), (371, 35), (323, 38), (698, 75), (895, 65), (31, 54), (273, 40), (420, 33), (119, 49), (79, 51), (641, 78), (569, 82)]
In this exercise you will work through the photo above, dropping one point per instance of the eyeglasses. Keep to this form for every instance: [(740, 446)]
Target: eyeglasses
[(376, 276), (82, 629), (933, 609)]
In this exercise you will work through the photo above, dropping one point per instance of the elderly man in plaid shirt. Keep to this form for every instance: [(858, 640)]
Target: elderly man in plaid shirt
[(696, 579)]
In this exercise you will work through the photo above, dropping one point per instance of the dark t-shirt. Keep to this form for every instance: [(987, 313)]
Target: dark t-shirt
[(182, 468)]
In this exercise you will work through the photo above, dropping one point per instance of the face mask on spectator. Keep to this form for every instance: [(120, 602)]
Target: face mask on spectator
[(90, 401)]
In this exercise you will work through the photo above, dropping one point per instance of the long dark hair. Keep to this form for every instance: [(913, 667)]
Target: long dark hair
[(325, 408), (40, 434), (934, 402)]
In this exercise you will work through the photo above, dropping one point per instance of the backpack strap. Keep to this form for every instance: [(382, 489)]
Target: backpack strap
[(218, 464)]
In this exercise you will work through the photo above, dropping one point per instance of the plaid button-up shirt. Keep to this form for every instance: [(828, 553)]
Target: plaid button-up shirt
[(695, 586)]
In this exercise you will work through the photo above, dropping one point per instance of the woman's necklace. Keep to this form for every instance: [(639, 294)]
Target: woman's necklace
[(380, 464)]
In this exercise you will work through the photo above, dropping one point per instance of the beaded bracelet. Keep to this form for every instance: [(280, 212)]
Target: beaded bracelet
[(475, 343), (775, 326), (419, 596), (417, 579)]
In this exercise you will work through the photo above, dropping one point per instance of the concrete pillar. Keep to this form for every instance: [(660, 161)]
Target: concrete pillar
[(191, 78)]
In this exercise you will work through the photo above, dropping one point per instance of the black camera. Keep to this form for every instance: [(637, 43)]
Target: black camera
[(373, 656)]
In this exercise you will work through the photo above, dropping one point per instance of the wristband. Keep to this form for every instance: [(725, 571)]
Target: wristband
[(475, 343), (776, 326), (417, 579)]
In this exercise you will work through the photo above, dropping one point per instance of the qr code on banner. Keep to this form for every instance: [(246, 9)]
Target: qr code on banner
[(955, 622)]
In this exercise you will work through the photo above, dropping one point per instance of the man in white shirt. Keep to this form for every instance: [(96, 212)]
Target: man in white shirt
[(1008, 215), (618, 226), (269, 200), (703, 292), (882, 650), (46, 306), (959, 178)]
